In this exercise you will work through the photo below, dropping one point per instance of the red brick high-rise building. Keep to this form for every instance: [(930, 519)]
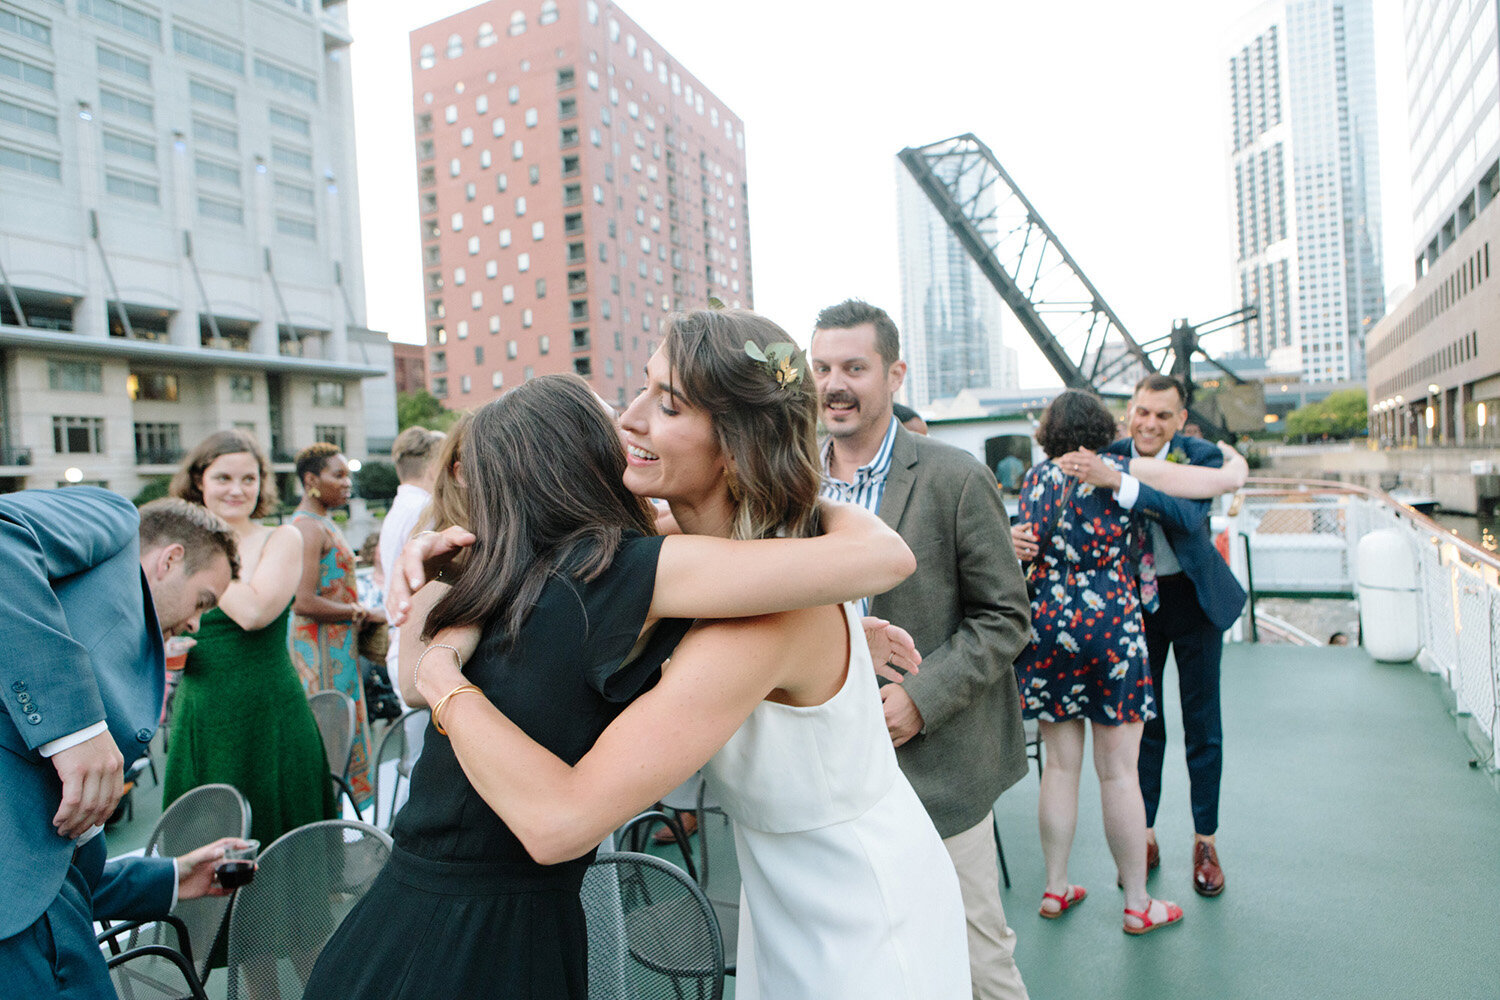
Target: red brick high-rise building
[(576, 184)]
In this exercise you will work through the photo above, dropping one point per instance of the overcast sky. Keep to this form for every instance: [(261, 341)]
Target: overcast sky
[(1111, 117)]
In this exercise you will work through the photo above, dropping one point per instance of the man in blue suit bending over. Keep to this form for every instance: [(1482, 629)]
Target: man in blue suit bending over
[(90, 589), (1198, 598)]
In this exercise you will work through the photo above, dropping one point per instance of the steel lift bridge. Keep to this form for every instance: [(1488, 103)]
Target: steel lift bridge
[(1075, 329)]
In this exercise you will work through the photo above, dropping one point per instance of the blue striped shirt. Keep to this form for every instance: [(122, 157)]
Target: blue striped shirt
[(868, 487)]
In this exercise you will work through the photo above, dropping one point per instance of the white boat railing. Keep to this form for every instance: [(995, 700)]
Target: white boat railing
[(1301, 538)]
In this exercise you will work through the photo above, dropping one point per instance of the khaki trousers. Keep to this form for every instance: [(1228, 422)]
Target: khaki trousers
[(992, 944)]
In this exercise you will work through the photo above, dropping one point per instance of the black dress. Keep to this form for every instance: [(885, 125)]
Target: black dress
[(461, 910)]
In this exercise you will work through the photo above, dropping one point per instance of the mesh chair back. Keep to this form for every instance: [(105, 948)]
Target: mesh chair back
[(397, 754), (307, 882), (652, 932), (334, 712), (201, 816)]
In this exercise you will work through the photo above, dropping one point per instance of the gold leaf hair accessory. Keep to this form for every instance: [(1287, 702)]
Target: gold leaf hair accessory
[(781, 359)]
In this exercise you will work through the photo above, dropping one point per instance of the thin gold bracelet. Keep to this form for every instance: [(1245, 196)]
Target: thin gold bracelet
[(430, 647), (437, 709)]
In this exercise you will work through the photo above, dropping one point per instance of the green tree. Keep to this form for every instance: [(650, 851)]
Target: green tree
[(377, 480), (155, 489), (422, 408), (1341, 414)]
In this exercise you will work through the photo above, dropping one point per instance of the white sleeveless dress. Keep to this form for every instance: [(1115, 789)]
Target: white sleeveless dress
[(847, 888)]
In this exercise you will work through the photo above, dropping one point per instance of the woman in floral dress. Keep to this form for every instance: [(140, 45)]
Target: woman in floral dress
[(1087, 658), (326, 612)]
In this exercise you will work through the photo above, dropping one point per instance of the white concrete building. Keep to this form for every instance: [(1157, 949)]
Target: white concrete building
[(951, 336), (1435, 360), (179, 237), (1304, 170)]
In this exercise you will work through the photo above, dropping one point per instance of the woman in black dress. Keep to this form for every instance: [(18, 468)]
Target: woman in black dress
[(578, 604)]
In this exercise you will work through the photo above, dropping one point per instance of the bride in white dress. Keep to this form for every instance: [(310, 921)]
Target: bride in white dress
[(848, 889)]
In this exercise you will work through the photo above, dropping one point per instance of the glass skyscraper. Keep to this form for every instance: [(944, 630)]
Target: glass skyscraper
[(950, 314), (1305, 169)]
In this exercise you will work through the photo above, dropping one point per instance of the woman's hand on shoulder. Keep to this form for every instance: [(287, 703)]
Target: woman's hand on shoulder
[(1090, 467), (411, 571), (892, 649)]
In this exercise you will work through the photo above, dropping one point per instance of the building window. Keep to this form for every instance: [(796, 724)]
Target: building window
[(494, 324), (510, 350), (115, 143), (287, 157), (120, 104), (538, 230), (484, 159), (523, 262), (514, 94), (508, 293), (334, 433), (157, 386), (290, 122), (531, 118), (300, 228), (222, 211), (487, 214), (497, 379), (205, 49), (455, 46), (487, 37), (482, 105), (466, 137), (75, 376), (543, 344), (427, 58), (541, 288), (517, 150), (456, 223), (241, 389), (217, 173), (526, 318), (463, 383), (521, 205), (158, 443), (78, 435), (214, 97), (440, 387), (115, 62), (117, 15), (504, 238), (126, 187), (517, 24), (497, 127)]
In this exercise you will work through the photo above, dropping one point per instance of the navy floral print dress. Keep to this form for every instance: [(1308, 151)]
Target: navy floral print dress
[(1087, 657)]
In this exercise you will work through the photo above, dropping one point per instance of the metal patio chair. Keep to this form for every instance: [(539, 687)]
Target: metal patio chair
[(396, 745), (305, 885), (652, 932), (199, 817), (334, 713)]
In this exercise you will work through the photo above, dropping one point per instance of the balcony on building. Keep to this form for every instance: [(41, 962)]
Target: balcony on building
[(145, 322), (43, 310), (232, 334)]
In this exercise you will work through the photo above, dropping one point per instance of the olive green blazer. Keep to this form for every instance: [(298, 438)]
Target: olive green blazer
[(967, 609)]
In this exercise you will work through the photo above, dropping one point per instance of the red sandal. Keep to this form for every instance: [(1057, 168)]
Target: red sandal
[(1174, 915), (1073, 896)]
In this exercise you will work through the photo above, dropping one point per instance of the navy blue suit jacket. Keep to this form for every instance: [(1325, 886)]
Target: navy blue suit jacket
[(1186, 525), (79, 643)]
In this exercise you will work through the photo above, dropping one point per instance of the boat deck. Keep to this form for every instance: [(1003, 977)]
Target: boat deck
[(1361, 850)]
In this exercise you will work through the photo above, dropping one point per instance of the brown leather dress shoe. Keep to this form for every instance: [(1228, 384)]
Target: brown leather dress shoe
[(1153, 856), (1208, 877)]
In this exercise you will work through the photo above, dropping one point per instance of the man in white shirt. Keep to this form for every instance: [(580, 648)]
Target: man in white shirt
[(415, 453)]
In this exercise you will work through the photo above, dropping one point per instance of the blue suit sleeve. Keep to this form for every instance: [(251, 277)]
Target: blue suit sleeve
[(49, 535), (1175, 512), (135, 889)]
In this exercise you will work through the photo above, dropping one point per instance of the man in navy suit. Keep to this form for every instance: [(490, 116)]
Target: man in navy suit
[(1198, 599), (91, 588)]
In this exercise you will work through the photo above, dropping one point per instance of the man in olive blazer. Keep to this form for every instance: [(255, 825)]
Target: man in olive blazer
[(957, 722)]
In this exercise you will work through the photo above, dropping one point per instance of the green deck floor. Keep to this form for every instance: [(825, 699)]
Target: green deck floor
[(1361, 851)]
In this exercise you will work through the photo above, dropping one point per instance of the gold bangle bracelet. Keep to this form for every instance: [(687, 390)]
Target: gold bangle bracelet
[(437, 709), (457, 656)]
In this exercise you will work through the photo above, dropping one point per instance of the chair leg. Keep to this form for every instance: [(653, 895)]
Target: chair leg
[(1000, 849)]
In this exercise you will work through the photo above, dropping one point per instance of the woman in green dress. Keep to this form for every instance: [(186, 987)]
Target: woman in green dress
[(240, 716), (327, 615)]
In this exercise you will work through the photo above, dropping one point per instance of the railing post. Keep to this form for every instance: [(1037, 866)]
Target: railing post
[(1250, 587)]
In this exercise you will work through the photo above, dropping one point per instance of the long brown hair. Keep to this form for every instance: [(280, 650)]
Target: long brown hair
[(767, 427), (187, 481), (544, 472)]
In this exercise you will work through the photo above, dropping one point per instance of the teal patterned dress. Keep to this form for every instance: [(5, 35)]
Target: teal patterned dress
[(326, 654)]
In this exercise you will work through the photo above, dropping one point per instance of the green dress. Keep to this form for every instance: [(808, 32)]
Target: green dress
[(240, 717)]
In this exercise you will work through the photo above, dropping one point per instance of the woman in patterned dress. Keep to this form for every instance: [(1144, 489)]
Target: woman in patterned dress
[(326, 612), (1087, 658)]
